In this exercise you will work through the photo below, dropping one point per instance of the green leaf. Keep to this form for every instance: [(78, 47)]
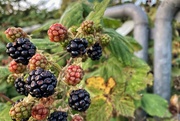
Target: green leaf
[(46, 25), (4, 115), (136, 77), (155, 105), (111, 23), (133, 44), (118, 47), (4, 72), (123, 104), (99, 110), (73, 15), (43, 44), (98, 12)]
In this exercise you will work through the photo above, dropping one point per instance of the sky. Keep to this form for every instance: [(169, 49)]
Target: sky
[(50, 4)]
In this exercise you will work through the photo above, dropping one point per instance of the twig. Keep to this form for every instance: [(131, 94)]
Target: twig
[(6, 98)]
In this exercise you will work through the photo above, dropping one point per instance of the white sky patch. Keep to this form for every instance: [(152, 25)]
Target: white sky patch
[(48, 4)]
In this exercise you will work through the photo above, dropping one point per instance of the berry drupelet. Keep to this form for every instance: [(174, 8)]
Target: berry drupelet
[(77, 47), (73, 75), (58, 116), (95, 52), (20, 86), (41, 83), (79, 100), (21, 50)]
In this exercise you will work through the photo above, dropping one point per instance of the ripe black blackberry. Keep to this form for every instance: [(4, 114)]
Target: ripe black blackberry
[(58, 116), (20, 86), (77, 47), (79, 100), (41, 83), (21, 50), (95, 52)]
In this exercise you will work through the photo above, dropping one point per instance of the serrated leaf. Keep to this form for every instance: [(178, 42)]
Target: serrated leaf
[(98, 12), (133, 44), (111, 23), (118, 46), (136, 76), (155, 105), (43, 44), (123, 104), (73, 15), (99, 110)]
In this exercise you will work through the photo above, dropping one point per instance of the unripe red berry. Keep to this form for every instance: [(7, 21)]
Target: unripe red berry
[(57, 33), (16, 67), (39, 112), (38, 60), (13, 33), (73, 75)]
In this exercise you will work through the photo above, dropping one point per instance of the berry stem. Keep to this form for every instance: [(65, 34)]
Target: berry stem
[(6, 98), (56, 66)]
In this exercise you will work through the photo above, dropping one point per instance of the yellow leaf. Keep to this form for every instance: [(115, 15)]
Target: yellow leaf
[(96, 82), (111, 83)]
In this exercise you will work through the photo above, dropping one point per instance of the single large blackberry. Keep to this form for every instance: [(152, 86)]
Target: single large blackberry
[(77, 47), (20, 86), (58, 116), (21, 50), (41, 83), (95, 52), (79, 100)]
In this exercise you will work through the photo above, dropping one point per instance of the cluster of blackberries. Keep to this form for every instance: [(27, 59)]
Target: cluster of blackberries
[(41, 83), (21, 50), (78, 47), (95, 52), (79, 100)]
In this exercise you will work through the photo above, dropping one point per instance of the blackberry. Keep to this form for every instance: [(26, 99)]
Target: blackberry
[(20, 86), (21, 50), (79, 100), (41, 83), (58, 116), (77, 47), (95, 52)]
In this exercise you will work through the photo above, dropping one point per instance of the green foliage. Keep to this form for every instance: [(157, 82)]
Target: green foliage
[(100, 110), (118, 46), (111, 23), (3, 72), (74, 14), (4, 115), (46, 25), (133, 44), (43, 44), (155, 105), (98, 12)]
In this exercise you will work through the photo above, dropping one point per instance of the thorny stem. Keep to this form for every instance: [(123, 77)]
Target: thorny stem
[(61, 73), (62, 57), (6, 98), (57, 67)]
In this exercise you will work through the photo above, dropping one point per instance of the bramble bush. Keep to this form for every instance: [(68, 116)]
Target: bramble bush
[(84, 70)]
